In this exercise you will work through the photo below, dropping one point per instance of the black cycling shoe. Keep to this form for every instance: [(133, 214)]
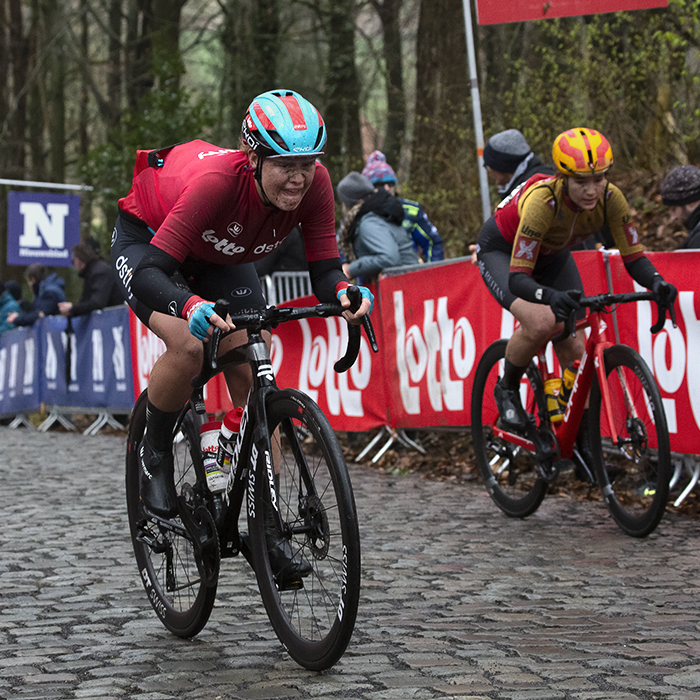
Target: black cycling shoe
[(156, 480), (511, 411), (288, 567)]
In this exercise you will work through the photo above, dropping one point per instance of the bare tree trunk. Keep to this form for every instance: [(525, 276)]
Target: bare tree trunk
[(442, 88), (266, 42), (342, 112), (19, 56), (389, 14), (114, 62)]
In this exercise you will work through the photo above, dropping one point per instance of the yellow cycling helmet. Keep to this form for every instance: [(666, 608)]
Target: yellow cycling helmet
[(580, 152)]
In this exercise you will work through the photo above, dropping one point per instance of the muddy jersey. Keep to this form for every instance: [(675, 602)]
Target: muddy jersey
[(202, 203), (538, 218)]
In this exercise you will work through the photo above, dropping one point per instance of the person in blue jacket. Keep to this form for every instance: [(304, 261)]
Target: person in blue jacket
[(426, 239), (8, 305), (48, 293)]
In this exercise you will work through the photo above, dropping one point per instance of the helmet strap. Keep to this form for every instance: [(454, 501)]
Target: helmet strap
[(258, 177)]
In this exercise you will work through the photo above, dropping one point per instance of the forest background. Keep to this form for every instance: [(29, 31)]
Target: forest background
[(84, 83)]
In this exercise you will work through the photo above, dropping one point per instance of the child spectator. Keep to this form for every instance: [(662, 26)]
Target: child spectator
[(426, 239), (8, 305)]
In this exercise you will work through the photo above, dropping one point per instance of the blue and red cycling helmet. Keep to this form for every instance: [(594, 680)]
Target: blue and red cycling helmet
[(281, 123)]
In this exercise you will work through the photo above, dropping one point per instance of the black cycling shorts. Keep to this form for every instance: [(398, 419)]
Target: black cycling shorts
[(557, 270), (239, 284)]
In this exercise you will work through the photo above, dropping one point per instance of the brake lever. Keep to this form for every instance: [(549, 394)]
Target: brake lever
[(661, 309), (212, 347)]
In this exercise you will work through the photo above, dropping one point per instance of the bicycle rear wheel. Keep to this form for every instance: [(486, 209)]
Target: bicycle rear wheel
[(510, 472), (317, 507), (180, 587), (634, 473)]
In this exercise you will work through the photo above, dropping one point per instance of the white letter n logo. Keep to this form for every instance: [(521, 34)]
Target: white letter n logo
[(49, 222)]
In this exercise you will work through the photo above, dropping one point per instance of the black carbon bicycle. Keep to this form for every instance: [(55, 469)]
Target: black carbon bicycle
[(312, 502)]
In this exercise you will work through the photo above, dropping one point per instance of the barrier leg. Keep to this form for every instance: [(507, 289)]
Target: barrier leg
[(373, 442), (692, 464), (55, 416), (21, 420), (103, 418)]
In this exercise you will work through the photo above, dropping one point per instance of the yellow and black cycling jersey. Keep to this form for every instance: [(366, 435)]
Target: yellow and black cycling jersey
[(538, 218)]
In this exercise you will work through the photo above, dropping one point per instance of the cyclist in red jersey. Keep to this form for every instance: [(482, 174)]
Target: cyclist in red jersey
[(196, 218), (524, 257)]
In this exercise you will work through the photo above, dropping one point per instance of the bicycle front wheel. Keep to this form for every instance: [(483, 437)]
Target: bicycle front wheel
[(630, 442), (180, 587), (317, 509), (510, 472)]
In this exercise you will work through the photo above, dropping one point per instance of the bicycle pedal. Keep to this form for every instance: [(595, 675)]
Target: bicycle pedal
[(295, 585)]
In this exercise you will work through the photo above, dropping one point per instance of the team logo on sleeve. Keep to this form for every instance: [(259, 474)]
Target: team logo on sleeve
[(631, 234), (526, 250)]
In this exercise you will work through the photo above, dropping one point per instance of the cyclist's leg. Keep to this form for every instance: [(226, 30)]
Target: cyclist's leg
[(493, 257)]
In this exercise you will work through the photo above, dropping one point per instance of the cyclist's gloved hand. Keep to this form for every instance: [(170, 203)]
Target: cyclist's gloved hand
[(198, 319), (563, 303), (366, 294), (664, 291)]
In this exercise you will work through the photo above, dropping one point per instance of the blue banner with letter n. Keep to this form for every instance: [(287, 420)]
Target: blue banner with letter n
[(42, 228)]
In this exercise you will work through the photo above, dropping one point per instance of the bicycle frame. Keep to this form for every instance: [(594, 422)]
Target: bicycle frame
[(599, 339), (252, 442)]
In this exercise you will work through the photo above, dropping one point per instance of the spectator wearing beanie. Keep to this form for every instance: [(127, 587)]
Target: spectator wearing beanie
[(371, 236), (425, 237), (510, 161), (680, 192)]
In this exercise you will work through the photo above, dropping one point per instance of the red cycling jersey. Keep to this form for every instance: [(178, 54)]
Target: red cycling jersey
[(202, 203)]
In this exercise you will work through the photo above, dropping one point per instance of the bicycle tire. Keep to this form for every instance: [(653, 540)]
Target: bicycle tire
[(317, 506), (181, 596), (635, 478), (510, 473)]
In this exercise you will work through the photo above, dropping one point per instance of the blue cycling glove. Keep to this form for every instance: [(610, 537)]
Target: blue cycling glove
[(366, 294), (198, 321)]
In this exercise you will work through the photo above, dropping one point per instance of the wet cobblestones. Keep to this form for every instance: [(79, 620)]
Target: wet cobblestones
[(458, 601)]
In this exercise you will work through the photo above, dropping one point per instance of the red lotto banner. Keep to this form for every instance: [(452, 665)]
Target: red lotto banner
[(490, 12), (434, 324)]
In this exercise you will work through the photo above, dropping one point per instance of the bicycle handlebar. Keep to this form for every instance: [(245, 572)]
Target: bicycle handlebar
[(601, 302), (272, 316)]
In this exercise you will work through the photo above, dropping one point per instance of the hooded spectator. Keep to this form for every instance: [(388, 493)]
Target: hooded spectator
[(371, 236)]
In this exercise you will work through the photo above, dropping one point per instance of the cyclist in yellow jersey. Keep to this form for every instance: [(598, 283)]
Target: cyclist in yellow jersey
[(524, 256)]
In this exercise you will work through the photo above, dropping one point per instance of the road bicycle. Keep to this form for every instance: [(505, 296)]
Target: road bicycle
[(627, 425), (311, 500)]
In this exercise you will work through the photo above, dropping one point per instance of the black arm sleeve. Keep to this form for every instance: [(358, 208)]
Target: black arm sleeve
[(152, 283), (526, 287), (642, 270), (325, 274)]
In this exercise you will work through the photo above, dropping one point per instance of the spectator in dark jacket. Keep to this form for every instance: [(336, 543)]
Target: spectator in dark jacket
[(680, 192), (509, 161), (371, 236), (48, 293), (427, 242), (99, 283), (8, 305)]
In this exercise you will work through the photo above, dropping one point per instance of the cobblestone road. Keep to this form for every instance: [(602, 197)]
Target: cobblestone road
[(458, 601)]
